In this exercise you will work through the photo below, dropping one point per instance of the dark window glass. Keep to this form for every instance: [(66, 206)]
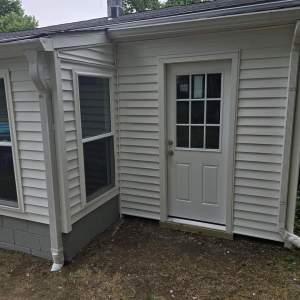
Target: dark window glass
[(99, 167), (8, 190), (182, 112), (197, 133), (94, 106), (183, 87), (214, 85), (212, 137), (183, 136), (198, 86), (197, 113), (213, 112), (4, 126)]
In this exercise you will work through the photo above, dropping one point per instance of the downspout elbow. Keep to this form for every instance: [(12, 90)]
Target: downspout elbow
[(291, 240)]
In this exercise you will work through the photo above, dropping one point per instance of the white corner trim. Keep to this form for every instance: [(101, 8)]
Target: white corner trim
[(288, 186), (40, 75)]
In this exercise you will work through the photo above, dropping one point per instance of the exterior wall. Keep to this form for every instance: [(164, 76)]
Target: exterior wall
[(25, 236), (88, 59), (261, 113), (26, 110), (90, 226)]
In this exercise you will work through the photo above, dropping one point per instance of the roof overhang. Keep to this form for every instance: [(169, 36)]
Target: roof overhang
[(197, 22), (18, 48)]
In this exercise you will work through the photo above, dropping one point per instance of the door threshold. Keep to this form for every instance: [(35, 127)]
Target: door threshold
[(197, 227)]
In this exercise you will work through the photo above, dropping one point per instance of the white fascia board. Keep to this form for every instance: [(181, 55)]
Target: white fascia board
[(79, 39), (196, 22), (18, 48)]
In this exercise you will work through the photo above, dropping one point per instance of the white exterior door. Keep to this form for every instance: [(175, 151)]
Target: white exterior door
[(198, 103)]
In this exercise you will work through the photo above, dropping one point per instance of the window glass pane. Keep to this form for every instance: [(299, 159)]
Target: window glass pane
[(4, 127), (183, 136), (182, 112), (213, 112), (99, 167), (183, 87), (214, 85), (198, 86), (94, 106), (197, 136), (212, 137), (8, 190), (197, 113)]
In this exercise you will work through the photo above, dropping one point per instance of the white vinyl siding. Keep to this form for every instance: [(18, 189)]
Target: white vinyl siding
[(260, 140), (93, 59), (260, 126), (29, 140)]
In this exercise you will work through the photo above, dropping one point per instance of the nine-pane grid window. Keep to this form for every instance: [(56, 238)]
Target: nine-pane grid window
[(198, 111), (97, 135), (8, 191)]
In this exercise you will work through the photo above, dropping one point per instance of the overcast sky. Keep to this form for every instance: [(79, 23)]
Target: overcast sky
[(51, 12)]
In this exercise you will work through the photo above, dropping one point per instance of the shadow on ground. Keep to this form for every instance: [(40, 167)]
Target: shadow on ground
[(139, 260)]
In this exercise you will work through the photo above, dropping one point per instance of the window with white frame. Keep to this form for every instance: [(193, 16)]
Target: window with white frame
[(8, 191), (97, 135)]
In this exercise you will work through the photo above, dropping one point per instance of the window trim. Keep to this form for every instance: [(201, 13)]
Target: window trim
[(81, 141), (19, 204)]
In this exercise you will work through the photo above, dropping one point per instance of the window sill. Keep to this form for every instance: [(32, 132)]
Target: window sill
[(8, 204)]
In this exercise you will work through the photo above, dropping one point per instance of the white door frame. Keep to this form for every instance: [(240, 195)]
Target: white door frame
[(163, 61)]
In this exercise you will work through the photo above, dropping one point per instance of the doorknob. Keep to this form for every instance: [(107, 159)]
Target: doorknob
[(170, 146), (170, 152)]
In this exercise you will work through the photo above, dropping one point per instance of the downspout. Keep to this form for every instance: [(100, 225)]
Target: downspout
[(293, 115), (39, 72)]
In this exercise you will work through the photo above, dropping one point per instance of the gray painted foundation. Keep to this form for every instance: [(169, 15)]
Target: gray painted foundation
[(90, 226), (25, 236), (34, 238)]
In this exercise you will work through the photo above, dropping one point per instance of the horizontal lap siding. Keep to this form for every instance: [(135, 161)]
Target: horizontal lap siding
[(29, 140), (139, 138), (95, 58), (260, 125), (260, 140)]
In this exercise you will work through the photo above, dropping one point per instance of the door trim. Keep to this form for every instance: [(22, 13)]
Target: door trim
[(163, 61)]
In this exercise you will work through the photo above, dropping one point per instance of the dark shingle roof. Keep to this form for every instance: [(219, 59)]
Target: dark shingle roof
[(207, 8)]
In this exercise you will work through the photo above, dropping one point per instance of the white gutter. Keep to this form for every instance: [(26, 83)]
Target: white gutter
[(39, 71), (234, 17), (290, 169)]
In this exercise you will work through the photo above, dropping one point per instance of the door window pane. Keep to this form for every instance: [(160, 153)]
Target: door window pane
[(197, 134), (183, 87), (212, 137), (213, 112), (198, 86), (4, 126), (214, 85), (197, 113), (98, 166), (94, 106), (183, 136), (182, 112)]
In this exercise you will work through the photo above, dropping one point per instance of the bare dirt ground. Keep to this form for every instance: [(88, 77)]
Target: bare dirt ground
[(140, 261)]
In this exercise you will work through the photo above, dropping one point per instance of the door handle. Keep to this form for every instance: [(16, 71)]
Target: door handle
[(170, 146), (170, 152)]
